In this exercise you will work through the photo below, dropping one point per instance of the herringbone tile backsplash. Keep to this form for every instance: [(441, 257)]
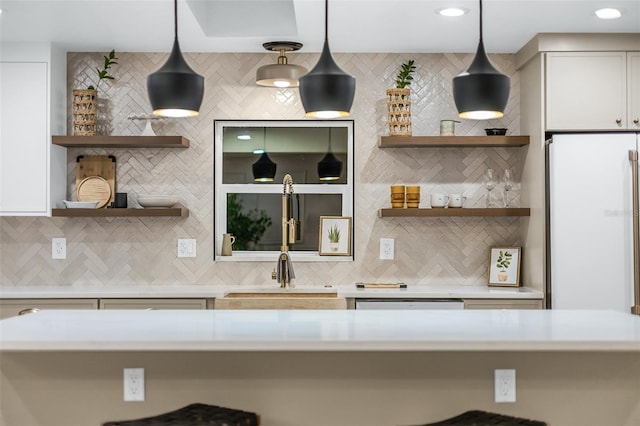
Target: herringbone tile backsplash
[(112, 252)]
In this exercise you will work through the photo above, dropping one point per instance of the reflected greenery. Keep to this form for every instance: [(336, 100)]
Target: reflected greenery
[(247, 226)]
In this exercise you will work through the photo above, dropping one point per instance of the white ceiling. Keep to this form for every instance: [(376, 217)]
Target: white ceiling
[(354, 25)]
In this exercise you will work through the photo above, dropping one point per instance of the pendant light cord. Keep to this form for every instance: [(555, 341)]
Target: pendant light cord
[(175, 17), (326, 20), (481, 41)]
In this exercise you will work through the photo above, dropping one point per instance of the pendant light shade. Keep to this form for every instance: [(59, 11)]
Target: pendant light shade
[(175, 90), (329, 168), (481, 92), (281, 74), (327, 91), (264, 170)]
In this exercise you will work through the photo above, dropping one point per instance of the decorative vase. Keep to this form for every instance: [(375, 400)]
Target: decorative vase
[(85, 112), (399, 112)]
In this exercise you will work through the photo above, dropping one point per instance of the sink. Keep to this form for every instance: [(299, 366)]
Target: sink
[(287, 292), (281, 298)]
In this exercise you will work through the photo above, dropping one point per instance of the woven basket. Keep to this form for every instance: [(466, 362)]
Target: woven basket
[(399, 112), (85, 112)]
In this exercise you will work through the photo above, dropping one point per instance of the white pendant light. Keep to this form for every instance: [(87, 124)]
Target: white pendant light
[(281, 74)]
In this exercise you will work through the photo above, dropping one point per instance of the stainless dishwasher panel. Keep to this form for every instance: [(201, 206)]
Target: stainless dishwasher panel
[(409, 304)]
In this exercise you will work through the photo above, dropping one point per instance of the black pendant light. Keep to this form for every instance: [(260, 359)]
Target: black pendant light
[(482, 91), (329, 168), (327, 91), (264, 170), (175, 90)]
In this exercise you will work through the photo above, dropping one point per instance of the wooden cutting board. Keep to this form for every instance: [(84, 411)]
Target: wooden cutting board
[(103, 166), (94, 188)]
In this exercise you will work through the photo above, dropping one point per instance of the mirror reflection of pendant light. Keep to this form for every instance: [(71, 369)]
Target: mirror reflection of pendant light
[(481, 92), (329, 168), (282, 74), (175, 90), (327, 91), (264, 170)]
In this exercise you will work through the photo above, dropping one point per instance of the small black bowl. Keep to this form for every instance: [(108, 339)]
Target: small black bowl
[(496, 132)]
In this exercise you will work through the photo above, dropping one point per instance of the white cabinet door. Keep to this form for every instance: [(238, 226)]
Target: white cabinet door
[(24, 159), (586, 91), (633, 83)]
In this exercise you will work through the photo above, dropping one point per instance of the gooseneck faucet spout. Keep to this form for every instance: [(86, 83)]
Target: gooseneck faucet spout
[(285, 271)]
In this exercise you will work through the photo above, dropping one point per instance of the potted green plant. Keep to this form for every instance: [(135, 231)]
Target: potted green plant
[(399, 101), (334, 238), (85, 101), (502, 263)]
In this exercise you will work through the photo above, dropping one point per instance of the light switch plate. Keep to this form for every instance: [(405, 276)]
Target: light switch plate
[(186, 247)]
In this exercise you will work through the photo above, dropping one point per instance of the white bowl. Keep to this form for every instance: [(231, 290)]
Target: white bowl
[(80, 204), (156, 200)]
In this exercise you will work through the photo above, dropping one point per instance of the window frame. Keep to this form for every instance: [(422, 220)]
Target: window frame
[(221, 190)]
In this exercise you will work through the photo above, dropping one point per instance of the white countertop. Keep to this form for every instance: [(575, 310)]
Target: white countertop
[(211, 291), (309, 330)]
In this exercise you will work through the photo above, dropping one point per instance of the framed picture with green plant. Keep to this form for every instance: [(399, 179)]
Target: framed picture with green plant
[(504, 266), (335, 236)]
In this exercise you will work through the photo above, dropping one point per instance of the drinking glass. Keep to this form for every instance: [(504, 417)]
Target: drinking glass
[(507, 180), (490, 182)]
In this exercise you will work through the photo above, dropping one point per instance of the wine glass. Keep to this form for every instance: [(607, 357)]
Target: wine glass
[(507, 180), (490, 182)]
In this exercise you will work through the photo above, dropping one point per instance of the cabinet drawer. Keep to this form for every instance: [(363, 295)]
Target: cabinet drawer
[(13, 307), (503, 304), (153, 303)]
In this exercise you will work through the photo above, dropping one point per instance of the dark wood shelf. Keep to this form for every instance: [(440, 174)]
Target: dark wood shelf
[(122, 141), (178, 211), (455, 212), (452, 141)]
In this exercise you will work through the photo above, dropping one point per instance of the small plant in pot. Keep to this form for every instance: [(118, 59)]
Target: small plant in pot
[(334, 238), (503, 262), (85, 101), (399, 101)]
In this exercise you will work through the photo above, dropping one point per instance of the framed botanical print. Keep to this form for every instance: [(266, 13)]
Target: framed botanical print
[(504, 266), (335, 236)]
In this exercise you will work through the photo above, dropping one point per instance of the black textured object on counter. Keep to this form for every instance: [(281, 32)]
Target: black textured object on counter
[(195, 415), (484, 418)]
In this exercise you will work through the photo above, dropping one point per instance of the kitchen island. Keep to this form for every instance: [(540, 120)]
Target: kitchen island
[(322, 367)]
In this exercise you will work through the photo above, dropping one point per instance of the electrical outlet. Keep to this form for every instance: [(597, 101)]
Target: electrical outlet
[(186, 247), (386, 248), (134, 384), (58, 248), (505, 385)]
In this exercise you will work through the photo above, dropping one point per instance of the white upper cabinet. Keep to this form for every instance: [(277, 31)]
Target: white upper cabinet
[(588, 91), (32, 106), (633, 81)]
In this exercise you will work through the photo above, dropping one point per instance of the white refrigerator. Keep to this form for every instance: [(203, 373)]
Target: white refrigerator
[(592, 241)]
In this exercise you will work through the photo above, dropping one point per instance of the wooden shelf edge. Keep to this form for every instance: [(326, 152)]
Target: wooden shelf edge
[(456, 212), (121, 141), (452, 141), (148, 212)]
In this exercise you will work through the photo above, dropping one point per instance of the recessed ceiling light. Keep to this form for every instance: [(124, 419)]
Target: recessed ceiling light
[(452, 11), (608, 13)]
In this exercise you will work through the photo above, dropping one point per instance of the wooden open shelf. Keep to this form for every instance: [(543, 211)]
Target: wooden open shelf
[(452, 141), (178, 211), (122, 141), (455, 212)]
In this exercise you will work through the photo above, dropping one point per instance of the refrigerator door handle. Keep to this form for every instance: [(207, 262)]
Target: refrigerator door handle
[(633, 157)]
